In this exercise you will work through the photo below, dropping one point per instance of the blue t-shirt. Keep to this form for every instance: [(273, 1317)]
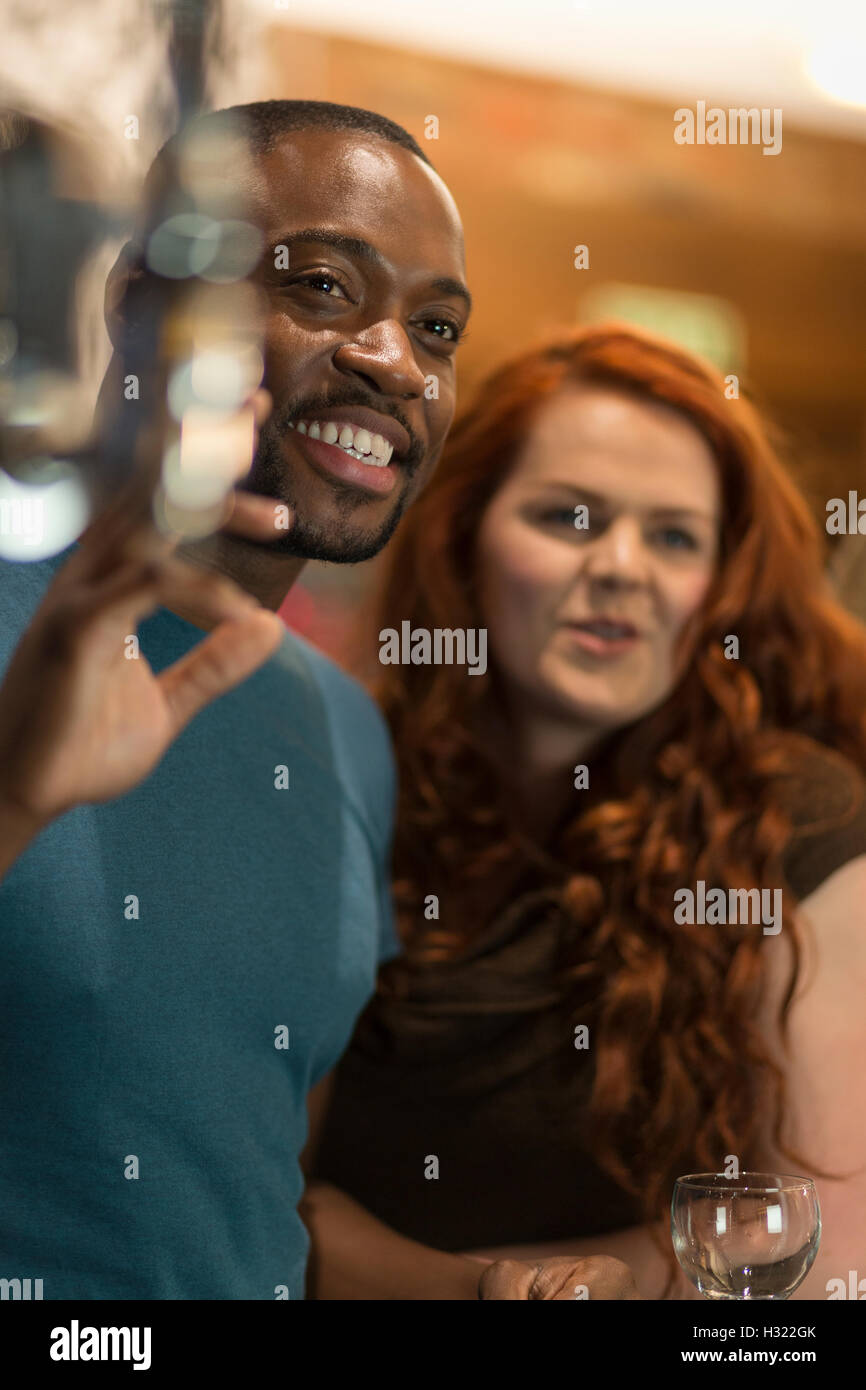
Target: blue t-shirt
[(157, 953)]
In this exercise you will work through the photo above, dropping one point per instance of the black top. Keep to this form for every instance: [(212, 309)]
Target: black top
[(474, 1062)]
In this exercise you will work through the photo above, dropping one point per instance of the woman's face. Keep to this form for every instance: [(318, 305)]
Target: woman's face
[(582, 623)]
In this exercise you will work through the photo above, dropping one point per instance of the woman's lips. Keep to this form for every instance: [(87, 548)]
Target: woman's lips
[(330, 458), (599, 645)]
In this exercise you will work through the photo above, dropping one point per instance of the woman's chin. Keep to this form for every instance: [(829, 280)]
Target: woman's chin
[(602, 710)]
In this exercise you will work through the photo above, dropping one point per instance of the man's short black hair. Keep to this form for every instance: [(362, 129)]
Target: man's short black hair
[(264, 122), (260, 124)]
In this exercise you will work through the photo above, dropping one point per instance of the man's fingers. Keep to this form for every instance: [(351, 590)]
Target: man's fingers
[(225, 658), (127, 596), (119, 533), (136, 589), (126, 530), (263, 404), (131, 593), (126, 523), (257, 518)]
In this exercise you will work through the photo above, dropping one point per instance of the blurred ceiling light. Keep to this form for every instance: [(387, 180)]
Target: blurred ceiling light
[(712, 327), (220, 379), (42, 411), (199, 469), (183, 246), (40, 520), (193, 244), (837, 67), (667, 49), (8, 341)]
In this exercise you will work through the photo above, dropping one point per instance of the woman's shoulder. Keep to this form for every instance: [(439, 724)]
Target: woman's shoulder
[(822, 785), (824, 796)]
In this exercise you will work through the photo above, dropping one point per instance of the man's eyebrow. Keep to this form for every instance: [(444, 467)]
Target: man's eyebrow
[(446, 284), (356, 246), (324, 236), (598, 499)]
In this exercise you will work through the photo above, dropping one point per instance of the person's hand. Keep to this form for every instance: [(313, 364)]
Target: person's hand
[(567, 1277), (82, 717)]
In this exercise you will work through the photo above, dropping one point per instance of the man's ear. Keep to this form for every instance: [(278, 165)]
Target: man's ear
[(127, 272)]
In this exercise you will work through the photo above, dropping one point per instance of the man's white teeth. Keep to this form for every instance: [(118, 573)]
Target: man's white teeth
[(358, 443)]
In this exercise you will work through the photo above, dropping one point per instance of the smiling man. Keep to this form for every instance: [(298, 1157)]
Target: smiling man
[(195, 890), (363, 271)]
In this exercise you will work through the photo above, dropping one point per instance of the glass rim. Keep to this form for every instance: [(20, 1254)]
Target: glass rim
[(718, 1182)]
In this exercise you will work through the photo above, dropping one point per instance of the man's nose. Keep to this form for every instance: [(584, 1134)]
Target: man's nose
[(617, 554), (383, 356)]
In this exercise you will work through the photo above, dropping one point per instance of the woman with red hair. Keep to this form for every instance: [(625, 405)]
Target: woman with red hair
[(672, 703)]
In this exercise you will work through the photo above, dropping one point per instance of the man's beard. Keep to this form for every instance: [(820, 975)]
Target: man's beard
[(267, 478)]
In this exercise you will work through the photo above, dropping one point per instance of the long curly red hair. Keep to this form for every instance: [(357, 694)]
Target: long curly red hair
[(690, 791)]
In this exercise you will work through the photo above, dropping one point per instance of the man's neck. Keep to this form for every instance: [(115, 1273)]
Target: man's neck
[(266, 575)]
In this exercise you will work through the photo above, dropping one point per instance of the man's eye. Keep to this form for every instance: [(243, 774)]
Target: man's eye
[(446, 329), (322, 280)]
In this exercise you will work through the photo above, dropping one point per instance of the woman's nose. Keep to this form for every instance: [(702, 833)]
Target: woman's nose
[(617, 552)]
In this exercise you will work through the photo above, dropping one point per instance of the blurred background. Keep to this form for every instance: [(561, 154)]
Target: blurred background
[(553, 124)]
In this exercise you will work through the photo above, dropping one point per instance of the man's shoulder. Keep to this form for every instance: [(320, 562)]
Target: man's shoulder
[(324, 699), (359, 734)]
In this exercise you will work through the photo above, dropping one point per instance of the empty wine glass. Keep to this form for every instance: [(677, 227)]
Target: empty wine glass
[(753, 1236)]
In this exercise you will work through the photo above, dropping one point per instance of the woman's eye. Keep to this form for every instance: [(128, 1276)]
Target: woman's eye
[(561, 516), (674, 538)]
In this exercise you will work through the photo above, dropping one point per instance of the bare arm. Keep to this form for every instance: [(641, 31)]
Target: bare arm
[(825, 1079), (356, 1256)]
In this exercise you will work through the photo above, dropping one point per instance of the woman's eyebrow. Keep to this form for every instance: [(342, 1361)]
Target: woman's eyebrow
[(597, 499)]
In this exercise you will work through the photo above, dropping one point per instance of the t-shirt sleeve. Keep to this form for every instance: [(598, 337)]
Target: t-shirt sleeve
[(368, 769), (827, 805), (389, 944)]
